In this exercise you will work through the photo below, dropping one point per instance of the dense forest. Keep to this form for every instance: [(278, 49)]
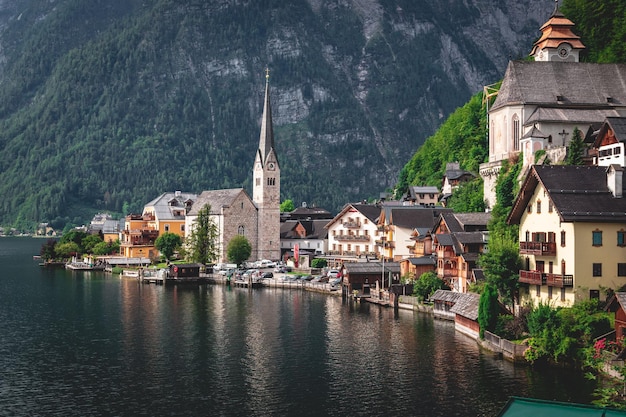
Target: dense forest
[(105, 105), (463, 136)]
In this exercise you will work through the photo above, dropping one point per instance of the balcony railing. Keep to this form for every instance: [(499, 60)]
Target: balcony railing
[(560, 281), (352, 225), (359, 238), (551, 280), (531, 277), (538, 248)]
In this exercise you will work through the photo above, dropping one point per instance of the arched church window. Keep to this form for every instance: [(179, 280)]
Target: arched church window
[(516, 132), (241, 231)]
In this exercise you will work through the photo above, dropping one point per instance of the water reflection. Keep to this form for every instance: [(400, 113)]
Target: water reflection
[(75, 344)]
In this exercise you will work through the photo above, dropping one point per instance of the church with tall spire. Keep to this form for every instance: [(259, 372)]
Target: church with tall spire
[(235, 213), (266, 184)]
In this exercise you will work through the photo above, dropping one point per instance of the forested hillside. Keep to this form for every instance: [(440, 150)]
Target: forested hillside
[(463, 136), (106, 104)]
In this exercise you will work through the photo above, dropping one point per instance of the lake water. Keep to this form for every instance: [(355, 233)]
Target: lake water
[(90, 344)]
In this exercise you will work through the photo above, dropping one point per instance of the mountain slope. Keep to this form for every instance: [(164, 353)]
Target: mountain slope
[(105, 104)]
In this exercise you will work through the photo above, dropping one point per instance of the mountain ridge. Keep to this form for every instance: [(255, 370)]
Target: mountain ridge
[(105, 105)]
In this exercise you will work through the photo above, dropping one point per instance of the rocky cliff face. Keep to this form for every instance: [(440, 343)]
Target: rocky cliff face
[(357, 86)]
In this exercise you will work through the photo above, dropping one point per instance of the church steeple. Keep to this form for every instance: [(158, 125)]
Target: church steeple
[(266, 186), (557, 41), (266, 139)]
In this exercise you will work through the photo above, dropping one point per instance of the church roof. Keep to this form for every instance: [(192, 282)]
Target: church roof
[(583, 116), (563, 85), (218, 199)]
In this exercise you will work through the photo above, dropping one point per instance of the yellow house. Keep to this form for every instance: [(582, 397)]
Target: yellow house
[(572, 233), (164, 214)]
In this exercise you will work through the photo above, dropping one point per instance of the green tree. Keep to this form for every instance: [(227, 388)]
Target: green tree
[(488, 309), (67, 249), (576, 149), (238, 250), (167, 244), (319, 263), (287, 206), (47, 251), (201, 245), (106, 248), (501, 265), (88, 243), (73, 235), (468, 197), (427, 284)]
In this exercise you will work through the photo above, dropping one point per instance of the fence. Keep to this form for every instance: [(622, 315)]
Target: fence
[(508, 349)]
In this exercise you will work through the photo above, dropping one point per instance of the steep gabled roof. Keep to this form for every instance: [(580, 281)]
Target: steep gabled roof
[(370, 211), (467, 305), (218, 199), (578, 194), (615, 124), (577, 84), (168, 204)]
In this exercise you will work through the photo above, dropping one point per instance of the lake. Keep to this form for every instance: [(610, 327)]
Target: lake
[(91, 344)]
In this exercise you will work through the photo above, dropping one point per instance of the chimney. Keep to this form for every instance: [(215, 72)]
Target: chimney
[(614, 174)]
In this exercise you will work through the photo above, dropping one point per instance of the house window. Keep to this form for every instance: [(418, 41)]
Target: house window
[(334, 233), (527, 236), (597, 237), (562, 237), (366, 232), (167, 228), (364, 221), (597, 269), (258, 181), (538, 207), (241, 231), (562, 293), (621, 269), (550, 206), (594, 294), (549, 293), (529, 209), (182, 227), (621, 241)]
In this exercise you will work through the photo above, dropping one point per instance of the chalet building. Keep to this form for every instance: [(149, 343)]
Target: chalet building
[(458, 241), (452, 180), (541, 102), (617, 304), (608, 145), (399, 224), (423, 195), (164, 214), (572, 233), (304, 237), (353, 233)]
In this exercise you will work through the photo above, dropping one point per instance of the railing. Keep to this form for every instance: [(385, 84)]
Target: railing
[(359, 238), (560, 281), (352, 225), (538, 248), (531, 277)]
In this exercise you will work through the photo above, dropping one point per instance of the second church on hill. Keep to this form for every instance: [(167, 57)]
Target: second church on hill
[(232, 210)]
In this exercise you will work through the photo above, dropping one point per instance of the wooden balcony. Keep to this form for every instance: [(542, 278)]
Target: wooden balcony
[(352, 238), (538, 248), (531, 277), (560, 281), (352, 225)]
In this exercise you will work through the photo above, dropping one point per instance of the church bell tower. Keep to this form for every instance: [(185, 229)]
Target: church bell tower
[(266, 185)]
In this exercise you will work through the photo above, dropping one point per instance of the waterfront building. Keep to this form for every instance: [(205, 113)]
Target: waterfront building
[(352, 234), (572, 233)]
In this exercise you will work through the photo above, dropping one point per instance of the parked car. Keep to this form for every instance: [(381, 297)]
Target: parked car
[(333, 273), (267, 275), (335, 282), (281, 269), (266, 263)]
